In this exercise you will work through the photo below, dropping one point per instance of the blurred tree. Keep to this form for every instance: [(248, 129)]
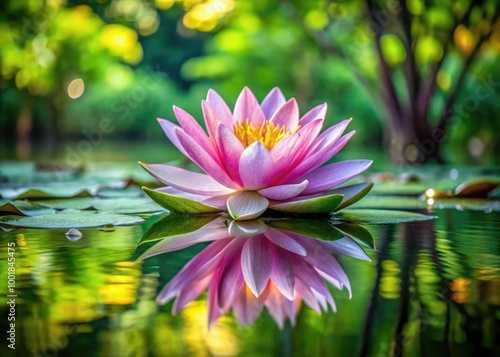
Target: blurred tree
[(432, 45), (410, 58), (51, 51)]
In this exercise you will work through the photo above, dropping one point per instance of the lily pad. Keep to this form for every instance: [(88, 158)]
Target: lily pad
[(391, 202), (479, 188), (175, 225), (71, 219), (398, 188), (314, 205), (68, 203), (24, 208), (114, 205), (414, 203), (128, 192), (180, 205), (48, 192), (368, 216), (127, 205)]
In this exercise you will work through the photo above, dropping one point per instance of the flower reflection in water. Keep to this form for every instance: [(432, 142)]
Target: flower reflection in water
[(249, 265)]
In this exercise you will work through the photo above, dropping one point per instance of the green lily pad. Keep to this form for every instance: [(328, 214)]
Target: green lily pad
[(399, 188), (128, 192), (368, 216), (321, 204), (24, 208), (391, 202), (114, 205), (48, 192), (180, 205), (127, 205), (175, 225), (68, 203), (71, 219), (314, 228), (404, 202), (352, 194)]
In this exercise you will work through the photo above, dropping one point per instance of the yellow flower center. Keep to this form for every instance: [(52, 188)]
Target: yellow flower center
[(267, 133)]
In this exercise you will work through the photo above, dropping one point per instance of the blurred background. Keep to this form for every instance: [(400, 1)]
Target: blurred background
[(85, 80)]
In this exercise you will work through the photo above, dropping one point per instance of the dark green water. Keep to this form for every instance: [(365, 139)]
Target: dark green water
[(432, 289)]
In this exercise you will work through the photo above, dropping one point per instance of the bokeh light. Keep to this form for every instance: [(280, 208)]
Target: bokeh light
[(76, 88)]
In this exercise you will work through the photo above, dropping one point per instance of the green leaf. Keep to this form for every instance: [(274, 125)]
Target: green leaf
[(398, 188), (180, 205), (368, 216), (71, 219), (314, 228), (127, 192), (24, 208), (391, 202), (115, 205), (126, 205), (322, 204), (352, 194), (68, 203), (65, 191), (175, 225), (403, 202)]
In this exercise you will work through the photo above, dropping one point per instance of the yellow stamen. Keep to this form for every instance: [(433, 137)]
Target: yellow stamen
[(267, 133)]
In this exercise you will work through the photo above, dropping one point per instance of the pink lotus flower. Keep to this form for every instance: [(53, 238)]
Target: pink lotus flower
[(251, 265), (256, 157)]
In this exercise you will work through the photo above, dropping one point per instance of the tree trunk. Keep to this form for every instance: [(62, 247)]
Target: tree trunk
[(415, 146)]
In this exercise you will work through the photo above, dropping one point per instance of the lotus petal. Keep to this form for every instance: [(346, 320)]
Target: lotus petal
[(185, 180), (272, 102), (287, 115), (283, 192), (256, 167), (329, 176), (246, 205), (247, 107), (220, 107), (256, 263)]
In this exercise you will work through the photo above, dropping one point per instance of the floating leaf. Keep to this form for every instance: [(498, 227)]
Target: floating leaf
[(127, 205), (368, 216), (178, 204), (398, 188), (71, 219), (414, 203), (129, 192), (115, 205), (24, 208), (48, 192), (69, 203), (480, 188)]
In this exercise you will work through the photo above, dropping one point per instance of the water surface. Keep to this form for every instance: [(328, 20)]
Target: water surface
[(432, 289)]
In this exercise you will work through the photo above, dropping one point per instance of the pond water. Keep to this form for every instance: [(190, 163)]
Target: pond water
[(431, 288)]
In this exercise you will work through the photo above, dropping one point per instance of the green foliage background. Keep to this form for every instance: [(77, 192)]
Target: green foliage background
[(137, 58)]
